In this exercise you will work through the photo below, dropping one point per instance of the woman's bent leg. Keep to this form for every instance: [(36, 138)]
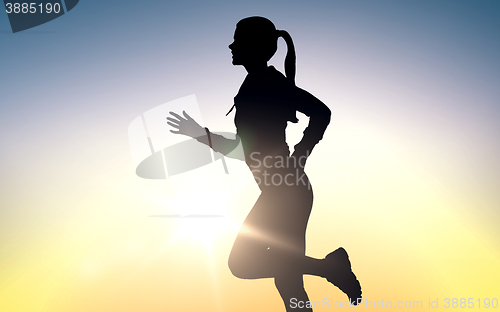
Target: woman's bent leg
[(271, 243), (273, 235), (265, 262)]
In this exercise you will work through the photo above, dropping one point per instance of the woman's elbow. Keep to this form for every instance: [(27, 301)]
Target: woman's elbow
[(325, 112), (328, 112)]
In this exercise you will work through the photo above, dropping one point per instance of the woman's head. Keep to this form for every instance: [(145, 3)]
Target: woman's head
[(255, 41)]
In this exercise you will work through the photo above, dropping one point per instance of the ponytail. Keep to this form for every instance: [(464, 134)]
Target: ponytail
[(290, 59), (290, 66)]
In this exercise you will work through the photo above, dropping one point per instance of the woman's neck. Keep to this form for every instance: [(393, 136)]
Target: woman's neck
[(255, 67)]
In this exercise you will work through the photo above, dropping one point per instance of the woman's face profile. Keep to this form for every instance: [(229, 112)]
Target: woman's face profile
[(240, 48), (246, 47)]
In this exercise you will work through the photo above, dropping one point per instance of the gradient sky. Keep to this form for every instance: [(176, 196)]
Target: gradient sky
[(413, 88)]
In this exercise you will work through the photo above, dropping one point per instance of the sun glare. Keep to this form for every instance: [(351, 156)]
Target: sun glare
[(201, 219)]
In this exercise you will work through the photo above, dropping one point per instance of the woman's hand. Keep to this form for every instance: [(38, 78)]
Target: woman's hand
[(187, 125)]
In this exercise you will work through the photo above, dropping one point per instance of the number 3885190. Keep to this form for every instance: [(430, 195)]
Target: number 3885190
[(32, 8)]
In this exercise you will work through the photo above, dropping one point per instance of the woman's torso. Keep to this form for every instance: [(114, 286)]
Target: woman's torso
[(263, 108)]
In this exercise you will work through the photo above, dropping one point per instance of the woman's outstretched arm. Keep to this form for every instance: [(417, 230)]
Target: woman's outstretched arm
[(319, 118), (188, 126)]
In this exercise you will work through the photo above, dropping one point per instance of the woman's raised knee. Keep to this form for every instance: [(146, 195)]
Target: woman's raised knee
[(239, 268)]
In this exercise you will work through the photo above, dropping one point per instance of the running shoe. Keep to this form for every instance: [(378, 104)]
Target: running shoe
[(342, 276)]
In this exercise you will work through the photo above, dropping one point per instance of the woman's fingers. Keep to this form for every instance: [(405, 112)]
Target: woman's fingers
[(177, 116), (184, 125), (187, 116), (177, 121), (173, 125)]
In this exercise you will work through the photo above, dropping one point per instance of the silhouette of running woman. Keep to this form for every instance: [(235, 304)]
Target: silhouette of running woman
[(271, 243)]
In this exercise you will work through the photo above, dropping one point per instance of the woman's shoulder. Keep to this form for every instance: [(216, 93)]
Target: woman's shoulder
[(270, 80), (277, 77)]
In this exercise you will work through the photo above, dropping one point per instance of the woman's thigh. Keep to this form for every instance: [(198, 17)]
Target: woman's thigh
[(277, 221)]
